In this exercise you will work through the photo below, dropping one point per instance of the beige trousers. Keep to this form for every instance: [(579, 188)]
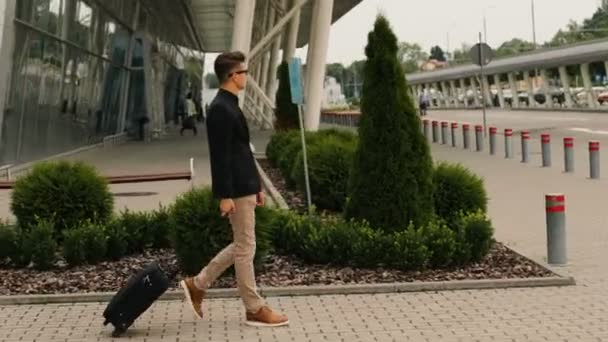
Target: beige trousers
[(240, 253)]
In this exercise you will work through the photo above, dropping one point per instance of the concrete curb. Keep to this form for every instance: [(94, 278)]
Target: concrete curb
[(321, 290), (274, 194)]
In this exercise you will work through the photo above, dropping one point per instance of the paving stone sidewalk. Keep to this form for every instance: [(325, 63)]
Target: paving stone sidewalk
[(575, 313)]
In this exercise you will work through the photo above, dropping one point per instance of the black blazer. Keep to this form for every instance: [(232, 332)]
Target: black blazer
[(233, 170)]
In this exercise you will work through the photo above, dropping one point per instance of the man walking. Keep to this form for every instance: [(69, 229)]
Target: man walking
[(236, 182)]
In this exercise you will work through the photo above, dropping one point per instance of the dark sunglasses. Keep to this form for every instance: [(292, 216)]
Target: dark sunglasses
[(239, 72)]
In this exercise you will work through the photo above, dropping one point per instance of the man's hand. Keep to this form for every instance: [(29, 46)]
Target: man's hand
[(227, 207), (261, 199)]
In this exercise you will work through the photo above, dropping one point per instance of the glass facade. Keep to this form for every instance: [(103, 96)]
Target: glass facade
[(67, 79), (73, 80)]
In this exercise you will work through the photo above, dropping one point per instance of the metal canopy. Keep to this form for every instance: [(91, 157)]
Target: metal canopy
[(547, 58), (205, 25), (213, 20)]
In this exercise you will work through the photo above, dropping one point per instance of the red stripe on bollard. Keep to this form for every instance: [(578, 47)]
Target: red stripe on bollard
[(478, 128), (435, 123), (466, 127), (508, 132), (594, 146), (525, 135), (444, 124), (454, 125), (568, 142), (545, 138), (556, 209), (493, 130), (555, 203), (556, 198)]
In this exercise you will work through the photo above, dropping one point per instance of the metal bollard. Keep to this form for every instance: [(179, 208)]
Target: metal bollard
[(525, 151), (493, 131), (594, 159), (568, 154), (556, 229), (479, 137), (425, 124), (454, 127), (545, 140), (435, 131), (444, 133), (508, 143), (466, 136)]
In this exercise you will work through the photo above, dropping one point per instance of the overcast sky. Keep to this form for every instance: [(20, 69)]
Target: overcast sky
[(429, 22), (432, 22)]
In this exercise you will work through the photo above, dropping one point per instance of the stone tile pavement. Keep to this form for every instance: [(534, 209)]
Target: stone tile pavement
[(575, 313)]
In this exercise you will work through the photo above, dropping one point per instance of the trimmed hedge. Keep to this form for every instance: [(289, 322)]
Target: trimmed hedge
[(329, 162), (333, 240), (40, 242), (86, 244), (330, 154), (199, 232), (457, 189), (8, 240), (63, 193)]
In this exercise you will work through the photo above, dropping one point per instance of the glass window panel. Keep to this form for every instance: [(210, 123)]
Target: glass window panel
[(81, 25)]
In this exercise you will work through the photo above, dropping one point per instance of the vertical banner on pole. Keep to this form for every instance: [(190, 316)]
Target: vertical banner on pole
[(297, 98)]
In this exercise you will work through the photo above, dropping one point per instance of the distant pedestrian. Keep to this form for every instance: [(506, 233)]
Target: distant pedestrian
[(189, 121)]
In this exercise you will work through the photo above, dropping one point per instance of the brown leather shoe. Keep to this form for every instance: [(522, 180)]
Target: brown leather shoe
[(265, 317), (194, 296)]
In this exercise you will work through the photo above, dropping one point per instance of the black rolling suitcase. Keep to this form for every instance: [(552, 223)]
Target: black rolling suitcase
[(135, 297)]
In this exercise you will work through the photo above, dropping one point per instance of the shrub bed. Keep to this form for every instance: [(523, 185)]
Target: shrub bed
[(333, 240)]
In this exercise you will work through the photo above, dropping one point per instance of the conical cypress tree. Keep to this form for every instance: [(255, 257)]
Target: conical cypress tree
[(391, 180), (286, 112)]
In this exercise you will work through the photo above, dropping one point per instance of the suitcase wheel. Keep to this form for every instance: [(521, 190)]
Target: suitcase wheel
[(118, 331)]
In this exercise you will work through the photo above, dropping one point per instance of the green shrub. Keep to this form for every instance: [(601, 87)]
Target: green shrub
[(199, 232), (440, 241), (457, 189), (479, 234), (8, 240), (410, 251), (159, 227), (138, 228), (117, 239), (63, 193), (391, 181), (329, 163), (96, 243), (332, 240), (87, 243), (21, 253), (277, 143), (40, 242), (74, 246)]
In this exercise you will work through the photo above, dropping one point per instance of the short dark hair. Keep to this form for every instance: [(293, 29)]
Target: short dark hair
[(225, 64)]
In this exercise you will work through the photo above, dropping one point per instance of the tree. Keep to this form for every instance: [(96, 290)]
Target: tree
[(410, 56), (353, 78), (212, 81), (336, 70), (437, 54), (391, 180), (514, 47), (461, 56), (286, 112)]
